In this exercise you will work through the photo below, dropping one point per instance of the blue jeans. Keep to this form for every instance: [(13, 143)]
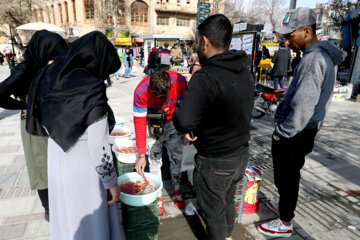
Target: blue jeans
[(150, 71), (127, 70), (215, 182), (277, 80)]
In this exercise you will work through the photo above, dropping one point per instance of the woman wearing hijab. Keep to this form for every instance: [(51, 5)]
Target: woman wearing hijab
[(151, 61), (127, 60), (42, 49), (69, 101)]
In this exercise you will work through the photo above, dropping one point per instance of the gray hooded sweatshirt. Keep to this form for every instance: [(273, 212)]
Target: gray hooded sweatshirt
[(309, 94)]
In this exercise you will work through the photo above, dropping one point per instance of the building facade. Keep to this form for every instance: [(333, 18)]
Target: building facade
[(138, 17)]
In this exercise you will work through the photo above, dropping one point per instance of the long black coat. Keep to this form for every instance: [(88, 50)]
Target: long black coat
[(281, 60)]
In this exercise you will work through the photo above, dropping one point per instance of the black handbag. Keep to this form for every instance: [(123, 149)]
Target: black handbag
[(156, 121)]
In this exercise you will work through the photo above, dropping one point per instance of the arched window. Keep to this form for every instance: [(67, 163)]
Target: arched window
[(74, 10), (89, 10), (60, 14), (139, 13), (66, 13)]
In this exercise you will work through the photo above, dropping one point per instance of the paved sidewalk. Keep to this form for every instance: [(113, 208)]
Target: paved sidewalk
[(329, 202)]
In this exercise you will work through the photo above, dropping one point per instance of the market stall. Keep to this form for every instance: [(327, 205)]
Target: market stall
[(158, 40), (247, 37)]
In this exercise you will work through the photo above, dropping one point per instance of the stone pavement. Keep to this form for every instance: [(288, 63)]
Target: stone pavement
[(329, 201)]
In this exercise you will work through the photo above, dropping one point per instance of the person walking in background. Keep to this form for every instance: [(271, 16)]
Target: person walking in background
[(189, 52), (300, 115), (165, 56), (41, 50), (141, 56), (159, 94), (151, 61), (176, 54), (266, 53), (1, 58), (217, 109), (296, 61), (194, 63), (68, 101), (127, 60), (281, 60)]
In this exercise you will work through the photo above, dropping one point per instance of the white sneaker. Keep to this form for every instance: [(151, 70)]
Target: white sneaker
[(276, 228), (274, 206), (229, 238)]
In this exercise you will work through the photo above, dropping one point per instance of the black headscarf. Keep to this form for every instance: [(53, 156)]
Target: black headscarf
[(43, 46), (69, 95)]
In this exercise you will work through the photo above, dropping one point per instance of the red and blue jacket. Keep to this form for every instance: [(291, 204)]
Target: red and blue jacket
[(143, 99)]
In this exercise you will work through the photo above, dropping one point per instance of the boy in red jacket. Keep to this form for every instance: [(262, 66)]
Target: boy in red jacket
[(161, 91)]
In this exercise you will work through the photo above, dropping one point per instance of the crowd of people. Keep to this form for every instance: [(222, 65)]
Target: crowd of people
[(66, 120)]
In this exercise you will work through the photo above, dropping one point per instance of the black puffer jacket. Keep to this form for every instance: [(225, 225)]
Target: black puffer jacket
[(217, 105)]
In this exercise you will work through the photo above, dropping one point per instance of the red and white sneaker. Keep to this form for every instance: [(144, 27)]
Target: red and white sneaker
[(177, 198), (276, 228), (161, 206), (274, 206)]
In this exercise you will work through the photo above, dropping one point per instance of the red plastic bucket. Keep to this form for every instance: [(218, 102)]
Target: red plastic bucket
[(251, 203)]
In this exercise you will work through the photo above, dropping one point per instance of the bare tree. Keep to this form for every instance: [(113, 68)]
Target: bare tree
[(13, 14), (236, 11), (273, 11), (341, 8), (111, 13)]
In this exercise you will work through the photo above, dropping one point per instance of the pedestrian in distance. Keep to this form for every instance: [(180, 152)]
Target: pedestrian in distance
[(41, 50), (165, 56), (1, 58), (127, 60), (176, 54), (141, 56), (155, 98), (266, 53), (281, 60), (189, 52), (300, 115), (295, 61), (68, 102), (151, 61), (215, 115)]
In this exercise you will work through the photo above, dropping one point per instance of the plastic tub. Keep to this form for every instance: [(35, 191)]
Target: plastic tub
[(124, 157), (117, 129), (140, 200)]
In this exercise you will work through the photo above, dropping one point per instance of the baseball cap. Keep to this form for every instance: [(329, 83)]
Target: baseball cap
[(297, 18)]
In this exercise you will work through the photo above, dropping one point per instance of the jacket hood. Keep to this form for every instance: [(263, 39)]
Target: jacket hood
[(153, 49), (336, 55), (232, 60)]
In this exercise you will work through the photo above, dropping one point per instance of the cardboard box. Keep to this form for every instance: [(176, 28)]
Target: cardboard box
[(358, 98)]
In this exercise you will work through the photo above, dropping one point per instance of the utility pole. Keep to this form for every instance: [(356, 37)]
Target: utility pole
[(292, 4), (12, 39)]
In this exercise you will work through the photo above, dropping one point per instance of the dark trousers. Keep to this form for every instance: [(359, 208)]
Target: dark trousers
[(277, 80), (164, 67), (44, 198), (288, 158), (215, 182)]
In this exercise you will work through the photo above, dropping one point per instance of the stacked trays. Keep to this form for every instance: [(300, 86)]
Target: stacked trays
[(141, 223)]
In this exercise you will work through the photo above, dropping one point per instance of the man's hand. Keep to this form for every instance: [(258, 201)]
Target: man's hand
[(140, 164), (188, 139), (114, 193), (23, 114)]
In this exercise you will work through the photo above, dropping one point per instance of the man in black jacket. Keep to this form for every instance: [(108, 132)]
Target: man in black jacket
[(217, 109), (281, 60)]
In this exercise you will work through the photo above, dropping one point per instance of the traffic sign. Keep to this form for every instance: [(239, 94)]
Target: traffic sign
[(204, 5), (204, 10)]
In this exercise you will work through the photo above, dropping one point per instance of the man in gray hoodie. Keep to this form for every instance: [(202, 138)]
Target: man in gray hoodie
[(300, 115)]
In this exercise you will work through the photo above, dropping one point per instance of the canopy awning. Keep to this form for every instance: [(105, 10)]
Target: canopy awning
[(138, 41), (123, 42)]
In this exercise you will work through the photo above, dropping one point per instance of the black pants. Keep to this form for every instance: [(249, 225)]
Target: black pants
[(288, 158), (44, 198), (215, 182)]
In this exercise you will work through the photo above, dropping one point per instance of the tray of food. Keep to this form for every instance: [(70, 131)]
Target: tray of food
[(125, 150)]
